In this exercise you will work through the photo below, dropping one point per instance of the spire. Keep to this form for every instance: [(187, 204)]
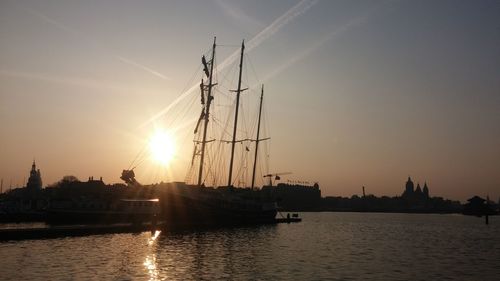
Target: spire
[(426, 190), (418, 190), (35, 179)]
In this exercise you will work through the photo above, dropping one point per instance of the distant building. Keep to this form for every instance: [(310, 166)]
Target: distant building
[(413, 194), (478, 206), (426, 190), (296, 197), (35, 179), (408, 189)]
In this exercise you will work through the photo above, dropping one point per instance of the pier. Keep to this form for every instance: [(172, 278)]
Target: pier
[(12, 234)]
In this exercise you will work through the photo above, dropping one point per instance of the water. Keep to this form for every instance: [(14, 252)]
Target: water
[(325, 246)]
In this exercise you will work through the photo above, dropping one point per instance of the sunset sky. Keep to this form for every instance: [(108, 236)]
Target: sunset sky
[(358, 93)]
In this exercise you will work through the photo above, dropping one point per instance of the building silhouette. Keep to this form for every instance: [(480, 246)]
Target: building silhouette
[(35, 179), (415, 194)]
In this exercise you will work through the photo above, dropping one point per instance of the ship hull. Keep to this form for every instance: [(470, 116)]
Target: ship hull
[(182, 209), (179, 205)]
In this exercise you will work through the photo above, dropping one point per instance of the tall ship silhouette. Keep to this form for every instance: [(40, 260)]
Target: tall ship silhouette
[(197, 202)]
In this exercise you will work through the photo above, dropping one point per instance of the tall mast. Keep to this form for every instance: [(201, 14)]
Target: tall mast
[(238, 92), (257, 140), (207, 113)]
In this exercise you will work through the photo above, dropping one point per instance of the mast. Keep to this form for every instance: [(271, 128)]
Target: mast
[(238, 92), (257, 140), (206, 115)]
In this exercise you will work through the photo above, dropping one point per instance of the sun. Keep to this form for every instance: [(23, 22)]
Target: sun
[(162, 147)]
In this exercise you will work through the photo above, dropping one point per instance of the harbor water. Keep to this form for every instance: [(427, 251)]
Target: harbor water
[(324, 246)]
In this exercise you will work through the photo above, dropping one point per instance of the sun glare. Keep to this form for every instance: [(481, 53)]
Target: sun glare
[(162, 147)]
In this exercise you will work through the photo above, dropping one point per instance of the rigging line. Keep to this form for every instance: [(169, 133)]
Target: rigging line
[(243, 167), (246, 81), (210, 171), (240, 166), (225, 128), (137, 156), (187, 109), (224, 131), (140, 162), (217, 158), (230, 71), (223, 94), (214, 161), (253, 126), (228, 45), (185, 92), (253, 68), (190, 82), (243, 130), (191, 79)]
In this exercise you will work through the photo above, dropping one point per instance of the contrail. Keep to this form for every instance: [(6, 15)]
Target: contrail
[(143, 67), (94, 44), (297, 10), (286, 18), (74, 81), (238, 14), (317, 44)]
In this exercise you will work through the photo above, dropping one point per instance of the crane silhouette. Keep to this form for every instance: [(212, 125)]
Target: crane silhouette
[(276, 177)]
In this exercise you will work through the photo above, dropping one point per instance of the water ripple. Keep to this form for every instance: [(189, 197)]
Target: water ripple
[(325, 246)]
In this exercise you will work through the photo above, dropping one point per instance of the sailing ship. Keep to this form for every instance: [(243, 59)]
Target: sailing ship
[(183, 203)]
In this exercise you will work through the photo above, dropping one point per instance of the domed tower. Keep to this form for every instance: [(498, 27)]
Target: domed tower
[(35, 179), (426, 190), (409, 188)]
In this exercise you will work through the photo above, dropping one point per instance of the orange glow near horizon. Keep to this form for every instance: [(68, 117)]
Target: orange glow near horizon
[(162, 147)]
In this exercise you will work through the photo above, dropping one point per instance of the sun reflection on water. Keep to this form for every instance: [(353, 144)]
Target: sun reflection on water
[(153, 238), (150, 263)]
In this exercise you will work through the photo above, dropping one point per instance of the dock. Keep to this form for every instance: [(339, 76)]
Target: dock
[(288, 220), (13, 234), (70, 231)]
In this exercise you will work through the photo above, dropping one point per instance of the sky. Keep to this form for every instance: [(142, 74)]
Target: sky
[(357, 93)]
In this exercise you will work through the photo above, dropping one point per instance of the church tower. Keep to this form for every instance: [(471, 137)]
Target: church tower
[(409, 188), (35, 179), (426, 190), (418, 190)]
